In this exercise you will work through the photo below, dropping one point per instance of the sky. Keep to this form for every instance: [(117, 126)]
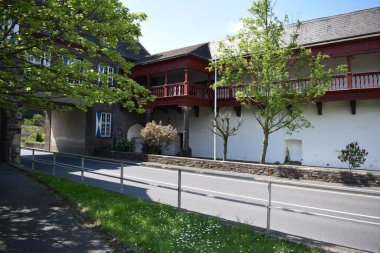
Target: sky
[(174, 24)]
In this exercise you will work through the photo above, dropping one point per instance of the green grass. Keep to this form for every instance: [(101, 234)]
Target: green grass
[(153, 227)]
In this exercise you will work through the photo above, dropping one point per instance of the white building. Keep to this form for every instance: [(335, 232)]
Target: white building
[(350, 111)]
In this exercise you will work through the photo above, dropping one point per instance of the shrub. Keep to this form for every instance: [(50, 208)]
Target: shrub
[(36, 137), (36, 120), (158, 136), (39, 137), (353, 155), (125, 145)]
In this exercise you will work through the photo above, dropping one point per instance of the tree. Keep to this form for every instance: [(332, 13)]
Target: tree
[(158, 136), (38, 37), (353, 155), (221, 123), (263, 60)]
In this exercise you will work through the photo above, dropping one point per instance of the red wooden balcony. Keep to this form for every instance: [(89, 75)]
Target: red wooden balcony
[(181, 89), (344, 87)]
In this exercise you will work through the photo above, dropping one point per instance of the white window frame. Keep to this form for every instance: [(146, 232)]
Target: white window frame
[(108, 70), (68, 61), (44, 61), (105, 124)]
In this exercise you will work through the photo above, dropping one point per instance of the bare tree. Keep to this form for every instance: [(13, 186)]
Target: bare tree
[(221, 123)]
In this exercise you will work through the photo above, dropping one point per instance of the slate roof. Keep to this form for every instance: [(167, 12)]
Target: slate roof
[(122, 47), (357, 24), (200, 50), (339, 27)]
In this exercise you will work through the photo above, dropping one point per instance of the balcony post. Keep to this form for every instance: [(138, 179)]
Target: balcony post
[(185, 149), (148, 115), (148, 81), (166, 85), (349, 72), (230, 91), (186, 83), (349, 80)]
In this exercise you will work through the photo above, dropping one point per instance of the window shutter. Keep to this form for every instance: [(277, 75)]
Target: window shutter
[(111, 124), (65, 60), (98, 123)]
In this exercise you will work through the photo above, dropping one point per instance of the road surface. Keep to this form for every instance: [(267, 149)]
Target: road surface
[(240, 200)]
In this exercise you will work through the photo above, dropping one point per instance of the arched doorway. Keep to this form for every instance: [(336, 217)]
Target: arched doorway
[(133, 134)]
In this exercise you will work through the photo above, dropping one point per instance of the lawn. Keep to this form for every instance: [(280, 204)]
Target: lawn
[(152, 227)]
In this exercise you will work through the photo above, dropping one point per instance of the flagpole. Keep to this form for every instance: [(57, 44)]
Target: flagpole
[(215, 111)]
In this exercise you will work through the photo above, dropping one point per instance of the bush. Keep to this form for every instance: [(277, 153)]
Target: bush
[(158, 136), (36, 120), (353, 155), (38, 137), (125, 145)]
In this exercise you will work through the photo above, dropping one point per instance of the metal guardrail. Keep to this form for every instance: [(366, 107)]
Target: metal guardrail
[(267, 203)]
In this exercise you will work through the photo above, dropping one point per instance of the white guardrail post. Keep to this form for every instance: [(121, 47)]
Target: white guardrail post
[(10, 154), (269, 206), (179, 189), (54, 162), (82, 170), (121, 177), (32, 159)]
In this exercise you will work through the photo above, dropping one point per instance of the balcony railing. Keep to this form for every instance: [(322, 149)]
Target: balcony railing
[(181, 89), (350, 81)]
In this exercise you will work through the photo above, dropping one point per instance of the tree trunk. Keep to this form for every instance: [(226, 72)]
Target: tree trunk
[(265, 146), (225, 140)]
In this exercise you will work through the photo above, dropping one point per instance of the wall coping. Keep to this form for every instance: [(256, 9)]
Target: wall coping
[(317, 174), (273, 166)]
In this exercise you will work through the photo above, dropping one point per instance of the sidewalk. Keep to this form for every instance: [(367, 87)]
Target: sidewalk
[(34, 220)]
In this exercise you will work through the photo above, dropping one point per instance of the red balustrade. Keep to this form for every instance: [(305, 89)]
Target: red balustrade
[(349, 81), (339, 82), (366, 80), (199, 90), (175, 89), (157, 91)]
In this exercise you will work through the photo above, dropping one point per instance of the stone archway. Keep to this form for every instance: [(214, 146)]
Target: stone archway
[(133, 134)]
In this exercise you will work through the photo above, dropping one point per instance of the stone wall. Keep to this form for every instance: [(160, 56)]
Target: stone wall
[(363, 178), (10, 135)]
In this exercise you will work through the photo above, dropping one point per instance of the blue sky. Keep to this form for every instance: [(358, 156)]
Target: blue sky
[(173, 24)]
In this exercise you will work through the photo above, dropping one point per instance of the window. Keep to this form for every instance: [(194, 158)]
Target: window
[(44, 61), (68, 61), (9, 29), (103, 124), (108, 70)]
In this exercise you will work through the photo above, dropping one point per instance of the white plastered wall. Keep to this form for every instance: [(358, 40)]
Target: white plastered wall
[(68, 131), (331, 131)]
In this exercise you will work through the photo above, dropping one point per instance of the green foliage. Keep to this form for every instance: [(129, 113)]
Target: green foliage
[(353, 155), (36, 137), (153, 227), (125, 145), (263, 58), (47, 31), (36, 120), (39, 137)]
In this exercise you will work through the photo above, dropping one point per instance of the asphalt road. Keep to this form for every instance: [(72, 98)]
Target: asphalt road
[(235, 199)]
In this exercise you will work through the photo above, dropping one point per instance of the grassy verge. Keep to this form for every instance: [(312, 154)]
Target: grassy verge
[(153, 227)]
